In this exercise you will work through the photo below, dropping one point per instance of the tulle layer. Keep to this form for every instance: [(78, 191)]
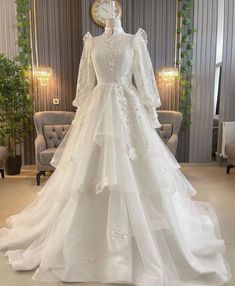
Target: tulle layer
[(117, 208), (115, 237), (112, 111), (110, 139)]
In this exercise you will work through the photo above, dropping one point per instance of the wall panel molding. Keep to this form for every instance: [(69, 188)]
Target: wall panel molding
[(58, 36), (205, 21), (8, 28), (227, 93)]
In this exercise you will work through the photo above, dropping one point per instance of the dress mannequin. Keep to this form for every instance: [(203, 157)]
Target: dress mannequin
[(113, 25)]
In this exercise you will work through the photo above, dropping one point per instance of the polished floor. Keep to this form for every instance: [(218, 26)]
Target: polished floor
[(211, 182)]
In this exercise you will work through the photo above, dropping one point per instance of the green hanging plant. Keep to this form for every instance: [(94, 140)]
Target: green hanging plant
[(184, 62), (23, 28)]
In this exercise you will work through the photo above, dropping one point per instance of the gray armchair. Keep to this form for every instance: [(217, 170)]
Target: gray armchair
[(3, 153), (230, 152), (51, 127), (171, 122)]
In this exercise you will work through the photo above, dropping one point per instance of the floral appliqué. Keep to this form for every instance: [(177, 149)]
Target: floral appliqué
[(119, 237)]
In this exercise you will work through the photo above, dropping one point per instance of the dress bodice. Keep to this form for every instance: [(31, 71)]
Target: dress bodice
[(117, 59), (112, 57)]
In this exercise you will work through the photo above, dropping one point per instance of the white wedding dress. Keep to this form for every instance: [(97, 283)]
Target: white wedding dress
[(117, 208)]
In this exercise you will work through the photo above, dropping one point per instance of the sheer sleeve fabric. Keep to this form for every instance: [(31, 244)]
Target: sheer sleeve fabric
[(144, 77), (86, 74)]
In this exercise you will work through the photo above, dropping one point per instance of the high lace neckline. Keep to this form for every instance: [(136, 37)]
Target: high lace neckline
[(113, 31)]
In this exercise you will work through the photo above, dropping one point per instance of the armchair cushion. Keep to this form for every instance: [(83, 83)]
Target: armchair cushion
[(172, 143), (54, 134), (165, 131)]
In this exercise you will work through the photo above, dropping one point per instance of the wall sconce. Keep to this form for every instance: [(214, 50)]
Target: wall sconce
[(168, 75), (42, 74)]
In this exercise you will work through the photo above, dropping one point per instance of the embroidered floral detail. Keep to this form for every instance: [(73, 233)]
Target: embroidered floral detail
[(127, 121), (132, 153), (138, 120), (122, 101), (119, 237), (111, 45)]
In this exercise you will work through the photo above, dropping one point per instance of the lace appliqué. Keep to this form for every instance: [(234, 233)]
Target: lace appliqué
[(133, 101), (119, 237), (124, 109)]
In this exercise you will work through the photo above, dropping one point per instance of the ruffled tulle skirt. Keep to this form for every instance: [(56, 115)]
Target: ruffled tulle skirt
[(117, 208)]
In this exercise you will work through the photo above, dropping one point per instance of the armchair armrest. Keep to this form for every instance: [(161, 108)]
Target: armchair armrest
[(172, 143), (40, 145)]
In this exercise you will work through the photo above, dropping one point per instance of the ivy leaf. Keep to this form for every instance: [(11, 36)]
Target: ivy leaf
[(182, 97), (190, 46), (191, 76), (186, 21), (179, 62), (192, 31), (184, 53), (186, 6), (191, 62), (182, 14), (185, 83), (185, 38), (184, 68)]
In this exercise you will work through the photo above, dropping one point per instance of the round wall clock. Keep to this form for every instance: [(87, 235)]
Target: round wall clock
[(101, 10)]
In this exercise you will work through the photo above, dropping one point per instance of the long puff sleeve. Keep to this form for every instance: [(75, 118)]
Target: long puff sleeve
[(144, 77), (86, 74)]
